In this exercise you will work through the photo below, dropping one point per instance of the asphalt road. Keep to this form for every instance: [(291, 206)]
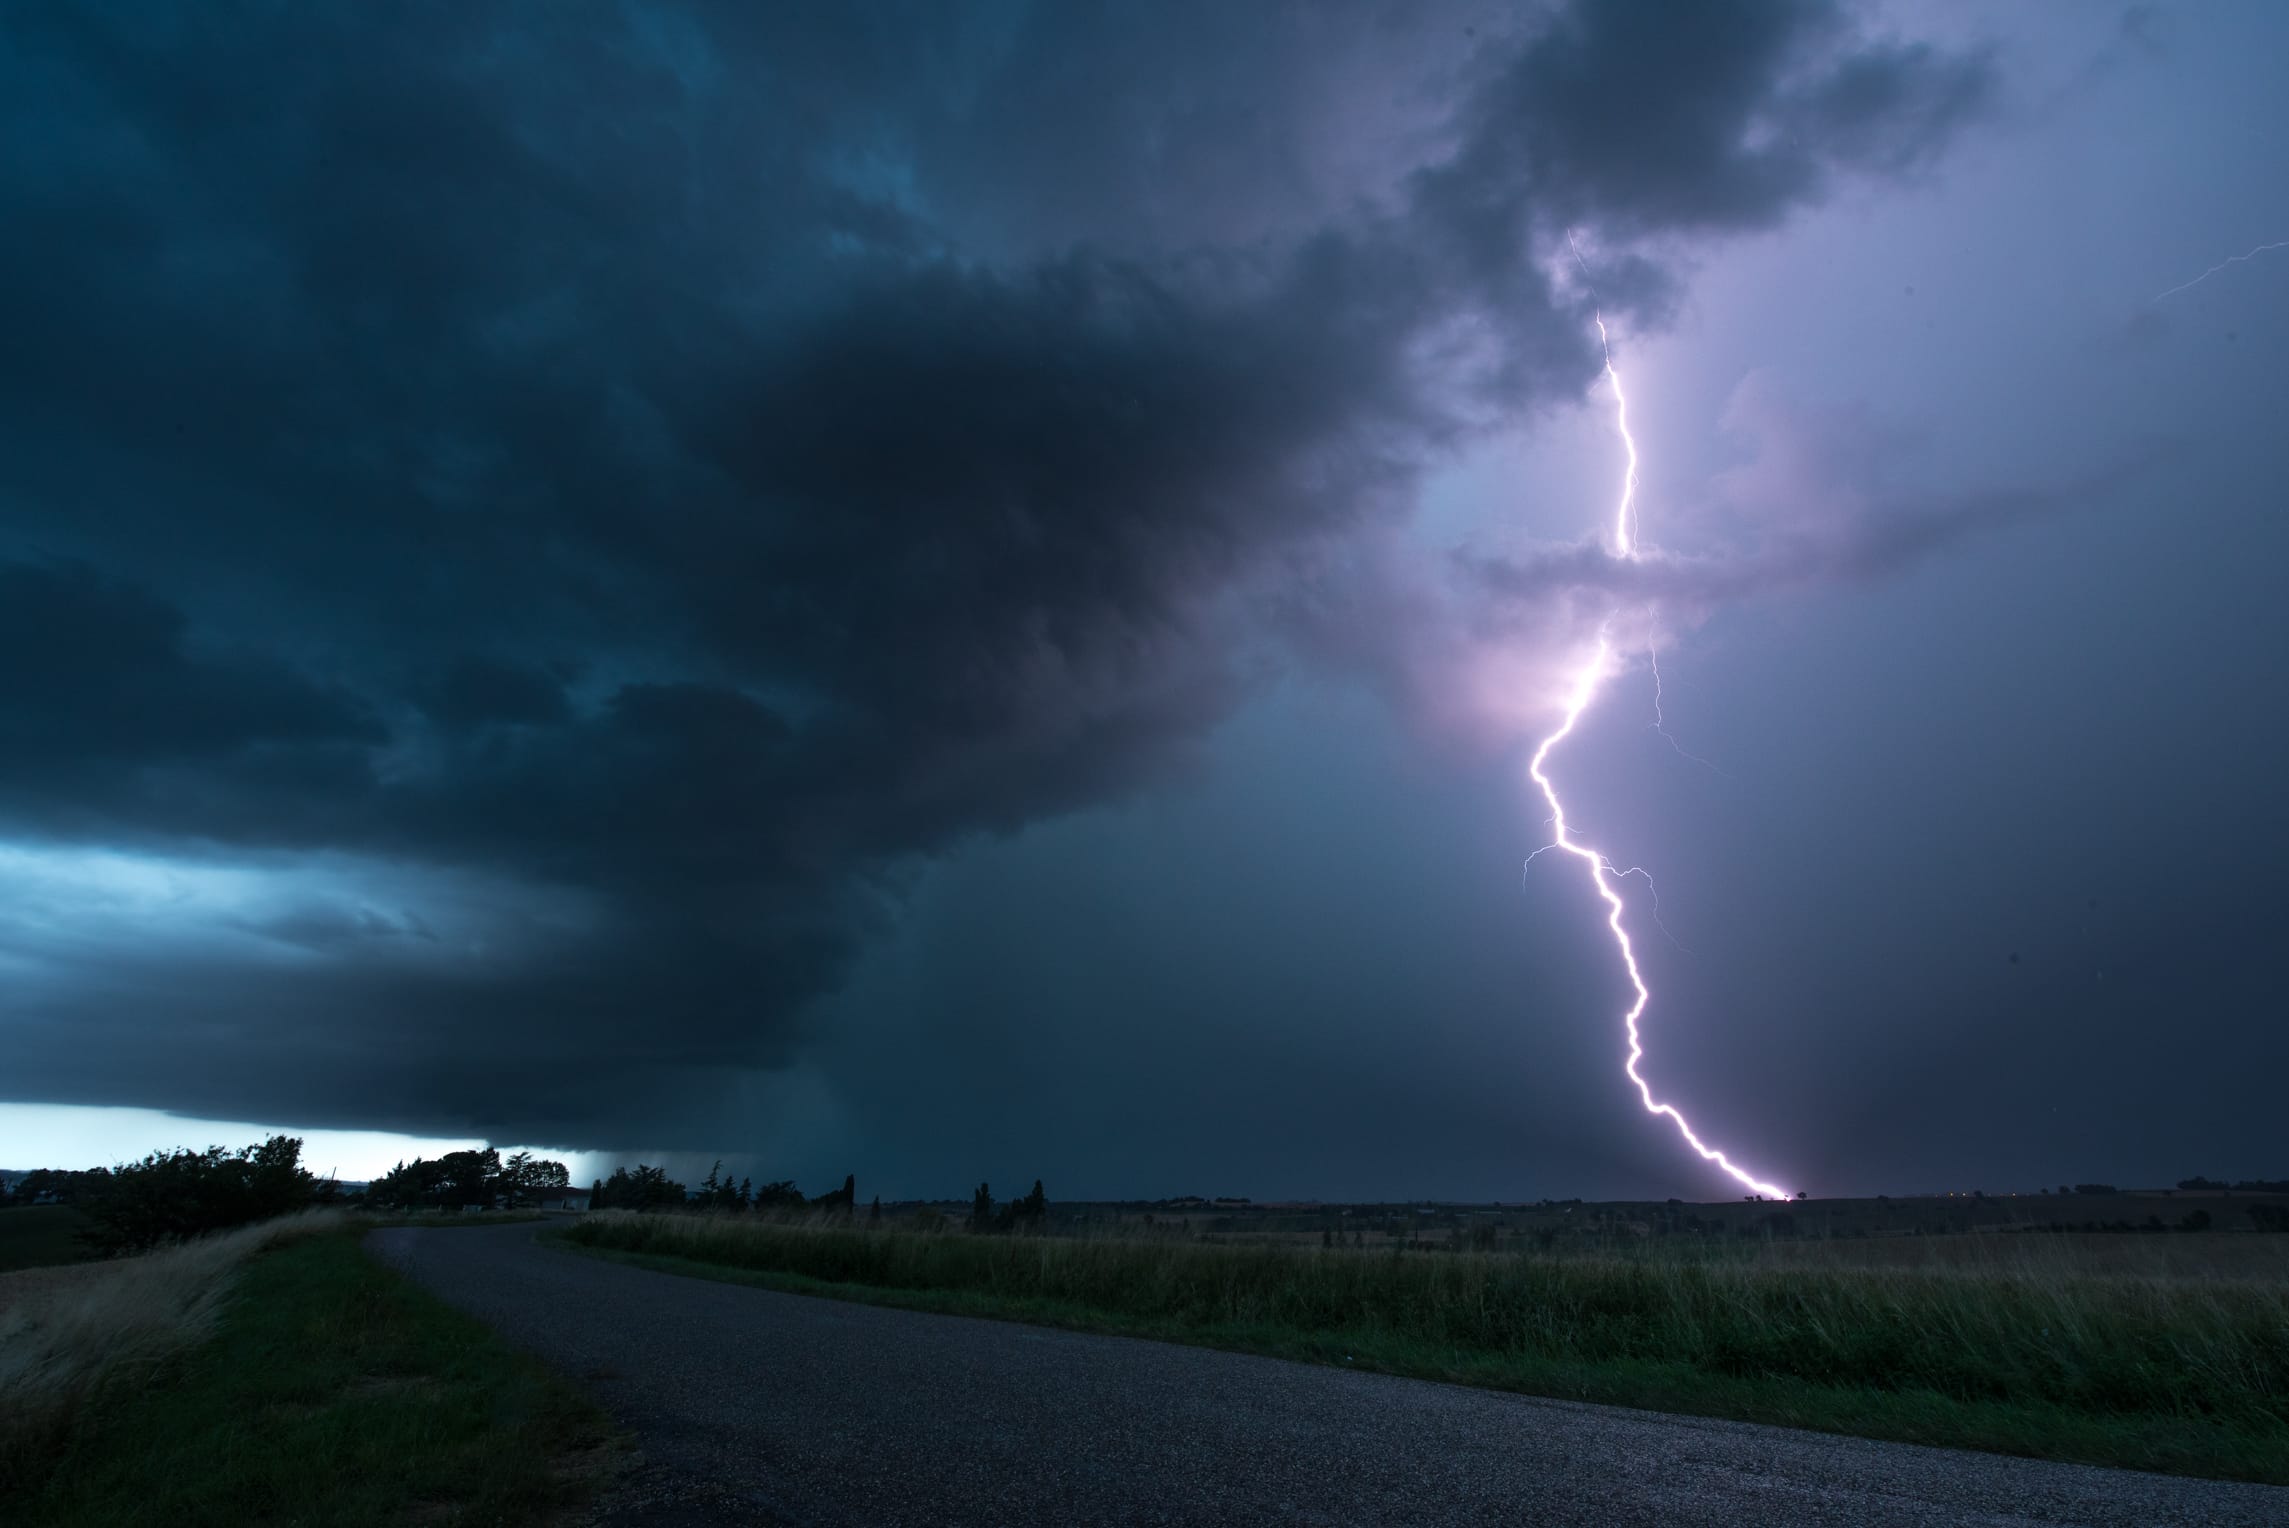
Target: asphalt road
[(757, 1407)]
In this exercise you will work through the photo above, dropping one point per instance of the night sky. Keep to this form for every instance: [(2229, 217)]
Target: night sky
[(964, 592)]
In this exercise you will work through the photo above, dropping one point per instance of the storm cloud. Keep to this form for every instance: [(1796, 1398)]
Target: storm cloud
[(578, 511)]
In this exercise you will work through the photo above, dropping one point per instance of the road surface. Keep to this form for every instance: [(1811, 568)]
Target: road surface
[(757, 1407)]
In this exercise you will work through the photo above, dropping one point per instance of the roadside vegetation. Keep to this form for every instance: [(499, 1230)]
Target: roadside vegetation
[(276, 1374), (67, 1333), (51, 1216), (237, 1358), (2020, 1350)]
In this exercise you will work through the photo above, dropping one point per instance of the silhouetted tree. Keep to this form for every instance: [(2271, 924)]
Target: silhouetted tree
[(526, 1179), (174, 1194), (782, 1195), (617, 1192), (652, 1189), (55, 1185), (874, 1210), (718, 1192), (981, 1209)]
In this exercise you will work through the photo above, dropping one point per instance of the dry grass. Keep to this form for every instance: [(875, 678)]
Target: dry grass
[(66, 1332)]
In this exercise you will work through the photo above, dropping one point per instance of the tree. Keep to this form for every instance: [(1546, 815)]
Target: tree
[(526, 1179), (874, 1210), (746, 1193), (651, 1188), (617, 1192), (469, 1180), (718, 1192), (53, 1185), (173, 1194), (782, 1195), (981, 1209), (407, 1186)]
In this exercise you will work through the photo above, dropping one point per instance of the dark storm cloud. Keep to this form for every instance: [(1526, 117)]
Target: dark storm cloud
[(1647, 119), (107, 708), (696, 465)]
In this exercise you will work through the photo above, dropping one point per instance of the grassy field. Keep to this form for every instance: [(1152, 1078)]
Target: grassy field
[(41, 1235), (326, 1389), (2014, 1347)]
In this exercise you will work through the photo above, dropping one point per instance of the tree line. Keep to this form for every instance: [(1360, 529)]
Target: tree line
[(169, 1195), (470, 1180), (650, 1188), (645, 1187)]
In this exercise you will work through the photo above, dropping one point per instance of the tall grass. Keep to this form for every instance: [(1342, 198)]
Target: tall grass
[(2033, 1332), (64, 1333)]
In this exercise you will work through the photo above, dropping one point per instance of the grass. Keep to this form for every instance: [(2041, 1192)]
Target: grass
[(65, 1331), (328, 1389), (2022, 1354), (40, 1235)]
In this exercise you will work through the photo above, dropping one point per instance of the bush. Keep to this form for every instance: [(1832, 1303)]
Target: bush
[(174, 1195)]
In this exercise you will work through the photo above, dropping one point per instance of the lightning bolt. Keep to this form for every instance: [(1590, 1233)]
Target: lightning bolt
[(2221, 265), (1660, 722), (1603, 877)]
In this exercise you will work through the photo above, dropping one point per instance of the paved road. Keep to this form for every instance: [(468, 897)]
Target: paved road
[(757, 1407)]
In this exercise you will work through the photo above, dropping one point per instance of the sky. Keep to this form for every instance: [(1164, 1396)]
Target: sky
[(962, 593)]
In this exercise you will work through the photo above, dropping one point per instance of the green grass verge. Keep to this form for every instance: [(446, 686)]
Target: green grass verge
[(336, 1392), (40, 1235), (2192, 1381)]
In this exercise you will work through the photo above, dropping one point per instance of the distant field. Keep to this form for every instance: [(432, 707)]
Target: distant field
[(1548, 1225), (2157, 1352), (36, 1236)]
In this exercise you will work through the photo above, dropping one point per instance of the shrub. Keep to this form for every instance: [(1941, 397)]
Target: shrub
[(171, 1195)]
